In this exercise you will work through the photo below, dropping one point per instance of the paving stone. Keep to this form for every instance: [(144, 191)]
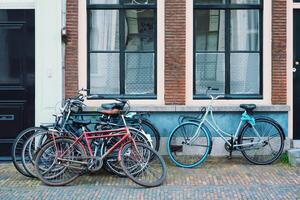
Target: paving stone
[(215, 179), (294, 157)]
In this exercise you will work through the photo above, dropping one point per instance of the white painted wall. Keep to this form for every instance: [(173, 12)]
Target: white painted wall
[(48, 59), (48, 54)]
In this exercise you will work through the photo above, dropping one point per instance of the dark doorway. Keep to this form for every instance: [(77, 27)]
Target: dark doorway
[(17, 66), (296, 75)]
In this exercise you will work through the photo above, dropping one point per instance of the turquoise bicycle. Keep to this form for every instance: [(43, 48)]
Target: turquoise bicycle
[(260, 139)]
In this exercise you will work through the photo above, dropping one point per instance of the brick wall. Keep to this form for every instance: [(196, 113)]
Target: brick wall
[(175, 39), (279, 74), (71, 58)]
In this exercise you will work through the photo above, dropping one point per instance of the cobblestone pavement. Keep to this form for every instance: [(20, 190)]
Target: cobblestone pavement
[(215, 179)]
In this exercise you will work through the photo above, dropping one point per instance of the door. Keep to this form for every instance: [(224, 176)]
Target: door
[(296, 75), (17, 64)]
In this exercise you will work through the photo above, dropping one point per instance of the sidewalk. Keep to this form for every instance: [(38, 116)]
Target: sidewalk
[(216, 179)]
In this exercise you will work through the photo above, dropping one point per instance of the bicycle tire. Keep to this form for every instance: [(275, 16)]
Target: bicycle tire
[(111, 163), (188, 155), (17, 147), (50, 179), (144, 156), (246, 135), (31, 148), (149, 128)]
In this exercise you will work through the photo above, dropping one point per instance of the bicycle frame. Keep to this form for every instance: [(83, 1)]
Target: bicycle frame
[(89, 135), (222, 133)]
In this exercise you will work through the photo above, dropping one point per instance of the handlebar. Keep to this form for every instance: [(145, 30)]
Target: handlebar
[(211, 96)]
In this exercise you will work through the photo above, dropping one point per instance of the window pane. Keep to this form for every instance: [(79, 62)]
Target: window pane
[(104, 73), (210, 1), (104, 30), (11, 53), (210, 71), (210, 30), (140, 2), (104, 1), (244, 73), (139, 30), (245, 30), (245, 1), (139, 75)]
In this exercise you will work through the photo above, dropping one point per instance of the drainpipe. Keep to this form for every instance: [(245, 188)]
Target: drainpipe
[(63, 41)]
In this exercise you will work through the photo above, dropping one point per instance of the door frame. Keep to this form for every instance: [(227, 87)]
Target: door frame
[(49, 61), (290, 63)]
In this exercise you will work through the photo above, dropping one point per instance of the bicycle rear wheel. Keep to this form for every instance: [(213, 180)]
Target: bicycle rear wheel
[(56, 170), (143, 165), (269, 147), (18, 147), (150, 129), (189, 145)]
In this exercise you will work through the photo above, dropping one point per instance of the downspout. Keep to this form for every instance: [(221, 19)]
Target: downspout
[(64, 42)]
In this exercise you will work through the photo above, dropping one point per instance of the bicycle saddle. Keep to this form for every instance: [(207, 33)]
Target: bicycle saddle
[(248, 107), (110, 112), (81, 122), (111, 106)]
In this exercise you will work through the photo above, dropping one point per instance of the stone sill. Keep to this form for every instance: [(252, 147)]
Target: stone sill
[(180, 108)]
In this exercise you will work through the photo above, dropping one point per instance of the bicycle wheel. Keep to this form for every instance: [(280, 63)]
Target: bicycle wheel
[(55, 169), (269, 147), (18, 147), (189, 146), (31, 148), (143, 165), (111, 162), (150, 129)]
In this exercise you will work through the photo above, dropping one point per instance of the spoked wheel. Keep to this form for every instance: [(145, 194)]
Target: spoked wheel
[(148, 128), (268, 147), (31, 148), (189, 146), (143, 165), (111, 162), (59, 163), (18, 147)]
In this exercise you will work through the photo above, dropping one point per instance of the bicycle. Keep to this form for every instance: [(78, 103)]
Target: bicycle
[(62, 160), (71, 129), (133, 119), (190, 143)]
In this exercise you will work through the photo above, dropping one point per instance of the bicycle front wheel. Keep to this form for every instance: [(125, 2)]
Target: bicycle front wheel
[(266, 149), (143, 165), (18, 146), (60, 162), (189, 145)]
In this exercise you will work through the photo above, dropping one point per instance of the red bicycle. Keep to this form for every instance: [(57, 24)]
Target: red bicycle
[(63, 159)]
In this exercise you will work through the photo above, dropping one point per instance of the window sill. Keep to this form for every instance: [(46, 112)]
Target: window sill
[(181, 108)]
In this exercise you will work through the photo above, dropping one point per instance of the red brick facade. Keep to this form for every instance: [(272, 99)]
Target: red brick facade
[(175, 40), (71, 57), (279, 44), (175, 51)]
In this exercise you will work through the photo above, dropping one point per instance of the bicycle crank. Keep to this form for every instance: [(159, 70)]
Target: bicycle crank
[(95, 164)]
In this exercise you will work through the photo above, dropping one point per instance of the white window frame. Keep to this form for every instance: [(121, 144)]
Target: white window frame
[(82, 56), (267, 60)]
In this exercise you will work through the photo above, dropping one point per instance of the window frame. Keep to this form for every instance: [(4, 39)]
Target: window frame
[(228, 7), (122, 7)]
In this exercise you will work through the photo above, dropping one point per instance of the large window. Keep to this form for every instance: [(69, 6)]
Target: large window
[(228, 47), (122, 48)]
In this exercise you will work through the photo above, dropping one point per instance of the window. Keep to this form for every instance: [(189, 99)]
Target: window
[(228, 47), (122, 48)]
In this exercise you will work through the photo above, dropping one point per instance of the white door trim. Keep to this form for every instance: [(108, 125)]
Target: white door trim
[(17, 4)]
